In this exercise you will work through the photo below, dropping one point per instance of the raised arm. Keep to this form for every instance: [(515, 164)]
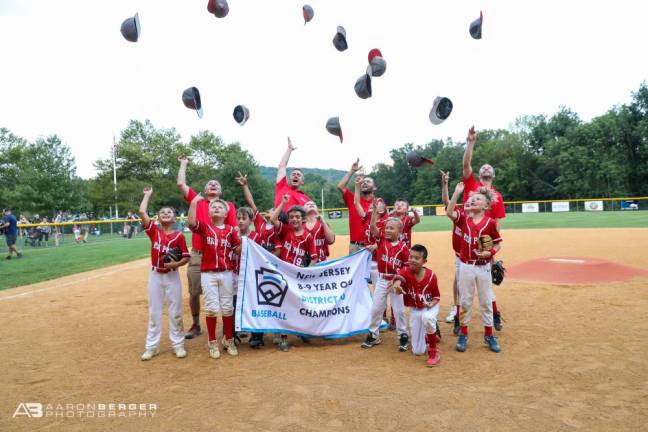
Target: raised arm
[(416, 218), (356, 198), (354, 168), (467, 157), (191, 214), (375, 231), (247, 194), (452, 205), (283, 164), (182, 175), (274, 216), (445, 178), (329, 235), (143, 208)]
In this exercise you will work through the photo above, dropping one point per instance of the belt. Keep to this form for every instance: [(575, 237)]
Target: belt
[(162, 270), (216, 270), (386, 276), (476, 262), (196, 251), (356, 243)]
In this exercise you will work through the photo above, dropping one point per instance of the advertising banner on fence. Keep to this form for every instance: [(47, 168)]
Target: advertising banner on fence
[(328, 300), (530, 208), (560, 206), (593, 205)]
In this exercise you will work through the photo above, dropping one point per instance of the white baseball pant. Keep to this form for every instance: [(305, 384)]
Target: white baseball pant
[(218, 291), (422, 321), (471, 276), (379, 305), (373, 273), (164, 287)]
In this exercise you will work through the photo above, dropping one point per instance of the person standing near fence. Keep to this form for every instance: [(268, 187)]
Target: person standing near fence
[(45, 231), (356, 222), (10, 226), (58, 229)]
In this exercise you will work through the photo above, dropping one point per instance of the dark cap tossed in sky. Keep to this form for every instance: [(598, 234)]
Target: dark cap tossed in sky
[(415, 160), (308, 13), (191, 99), (441, 110), (131, 29), (334, 128), (363, 85), (241, 114), (339, 40), (219, 8), (476, 27)]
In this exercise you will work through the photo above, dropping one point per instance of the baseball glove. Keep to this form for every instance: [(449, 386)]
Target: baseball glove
[(485, 243), (174, 254), (497, 272)]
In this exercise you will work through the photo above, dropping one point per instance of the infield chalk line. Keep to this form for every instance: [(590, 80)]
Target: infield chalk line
[(567, 261), (74, 282)]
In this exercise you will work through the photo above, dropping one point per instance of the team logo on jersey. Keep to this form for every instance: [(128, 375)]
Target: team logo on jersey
[(271, 287)]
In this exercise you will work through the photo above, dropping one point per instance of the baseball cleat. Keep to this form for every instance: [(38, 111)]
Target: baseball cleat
[(451, 315), (213, 349), (276, 339), (150, 353), (242, 335), (230, 346), (256, 340), (497, 321), (193, 332), (180, 352), (371, 341), (457, 327), (283, 345), (462, 343), (403, 342), (434, 357), (491, 341)]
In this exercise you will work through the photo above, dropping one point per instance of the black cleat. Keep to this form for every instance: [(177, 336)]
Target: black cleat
[(457, 327), (403, 342), (497, 321), (371, 341)]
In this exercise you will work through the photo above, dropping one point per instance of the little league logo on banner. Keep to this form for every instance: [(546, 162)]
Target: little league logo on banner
[(328, 300)]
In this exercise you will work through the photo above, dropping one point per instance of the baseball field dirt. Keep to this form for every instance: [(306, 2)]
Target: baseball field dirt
[(574, 357)]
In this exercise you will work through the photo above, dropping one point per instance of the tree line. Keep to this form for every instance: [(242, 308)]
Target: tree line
[(538, 157)]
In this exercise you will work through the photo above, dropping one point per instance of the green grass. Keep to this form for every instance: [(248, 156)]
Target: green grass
[(39, 264)]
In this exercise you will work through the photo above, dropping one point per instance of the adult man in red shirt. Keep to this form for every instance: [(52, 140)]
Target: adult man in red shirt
[(290, 187), (213, 192), (356, 223), (486, 177)]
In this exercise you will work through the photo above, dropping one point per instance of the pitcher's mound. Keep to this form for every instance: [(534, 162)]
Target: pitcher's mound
[(570, 270)]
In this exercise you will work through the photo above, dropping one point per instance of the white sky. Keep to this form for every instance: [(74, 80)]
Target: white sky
[(67, 70)]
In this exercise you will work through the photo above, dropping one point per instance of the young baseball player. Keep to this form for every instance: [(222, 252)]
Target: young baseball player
[(164, 279), (322, 233), (391, 254), (481, 241), (294, 244), (420, 290), (365, 216), (408, 217), (218, 240)]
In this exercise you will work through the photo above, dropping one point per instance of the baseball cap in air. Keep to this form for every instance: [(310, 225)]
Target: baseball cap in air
[(131, 29), (220, 8), (191, 99), (363, 84), (476, 27), (241, 114), (377, 62), (334, 128), (308, 13), (339, 40), (441, 110), (415, 160)]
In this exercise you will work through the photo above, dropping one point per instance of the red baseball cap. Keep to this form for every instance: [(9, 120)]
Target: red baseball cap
[(373, 53)]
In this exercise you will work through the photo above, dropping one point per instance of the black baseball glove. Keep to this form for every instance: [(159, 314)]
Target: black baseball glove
[(174, 254), (497, 272)]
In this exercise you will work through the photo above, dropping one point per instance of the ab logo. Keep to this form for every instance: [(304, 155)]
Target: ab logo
[(29, 409), (271, 287)]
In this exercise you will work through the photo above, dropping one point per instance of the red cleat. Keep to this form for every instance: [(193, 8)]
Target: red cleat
[(434, 357)]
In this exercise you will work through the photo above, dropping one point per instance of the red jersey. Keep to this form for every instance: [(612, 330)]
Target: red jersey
[(256, 237), (321, 246), (471, 233), (406, 232), (356, 223), (161, 242), (293, 248), (416, 293), (217, 243), (202, 215), (297, 197), (498, 210), (267, 231), (380, 223), (391, 256), (457, 237)]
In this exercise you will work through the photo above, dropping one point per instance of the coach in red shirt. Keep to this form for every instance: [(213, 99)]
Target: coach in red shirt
[(212, 191), (291, 187), (486, 177), (356, 222)]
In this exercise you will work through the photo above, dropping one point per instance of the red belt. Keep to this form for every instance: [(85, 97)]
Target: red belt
[(162, 270), (475, 262), (386, 276)]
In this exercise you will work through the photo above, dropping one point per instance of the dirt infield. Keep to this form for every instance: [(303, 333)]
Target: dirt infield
[(573, 357)]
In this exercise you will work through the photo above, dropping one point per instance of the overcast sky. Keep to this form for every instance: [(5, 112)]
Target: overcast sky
[(67, 70)]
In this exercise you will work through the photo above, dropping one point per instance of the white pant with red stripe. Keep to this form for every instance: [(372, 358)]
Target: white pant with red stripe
[(164, 287), (471, 276), (218, 291), (422, 321), (380, 304)]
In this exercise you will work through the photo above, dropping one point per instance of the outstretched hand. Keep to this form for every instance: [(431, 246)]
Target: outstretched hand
[(459, 188), (472, 135), (242, 179), (356, 166), (291, 147), (148, 190), (183, 159), (445, 177)]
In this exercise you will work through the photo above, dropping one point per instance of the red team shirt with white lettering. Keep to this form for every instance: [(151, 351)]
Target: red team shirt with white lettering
[(471, 233), (217, 244), (391, 256), (416, 293), (256, 237), (380, 224), (457, 237), (356, 223), (161, 242), (406, 232), (202, 215), (321, 247), (498, 210), (294, 247), (267, 232)]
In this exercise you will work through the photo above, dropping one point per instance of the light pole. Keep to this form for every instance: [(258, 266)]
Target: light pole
[(114, 161)]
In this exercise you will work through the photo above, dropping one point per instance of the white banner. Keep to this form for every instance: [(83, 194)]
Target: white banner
[(329, 300), (560, 206), (594, 205), (530, 208)]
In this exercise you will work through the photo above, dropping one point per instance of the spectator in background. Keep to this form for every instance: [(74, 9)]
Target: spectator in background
[(134, 225), (58, 230), (10, 226), (22, 221), (45, 231)]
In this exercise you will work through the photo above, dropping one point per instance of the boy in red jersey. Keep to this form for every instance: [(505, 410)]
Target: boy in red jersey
[(475, 266), (219, 242), (322, 233), (420, 290), (391, 255), (408, 218), (365, 216), (164, 279)]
